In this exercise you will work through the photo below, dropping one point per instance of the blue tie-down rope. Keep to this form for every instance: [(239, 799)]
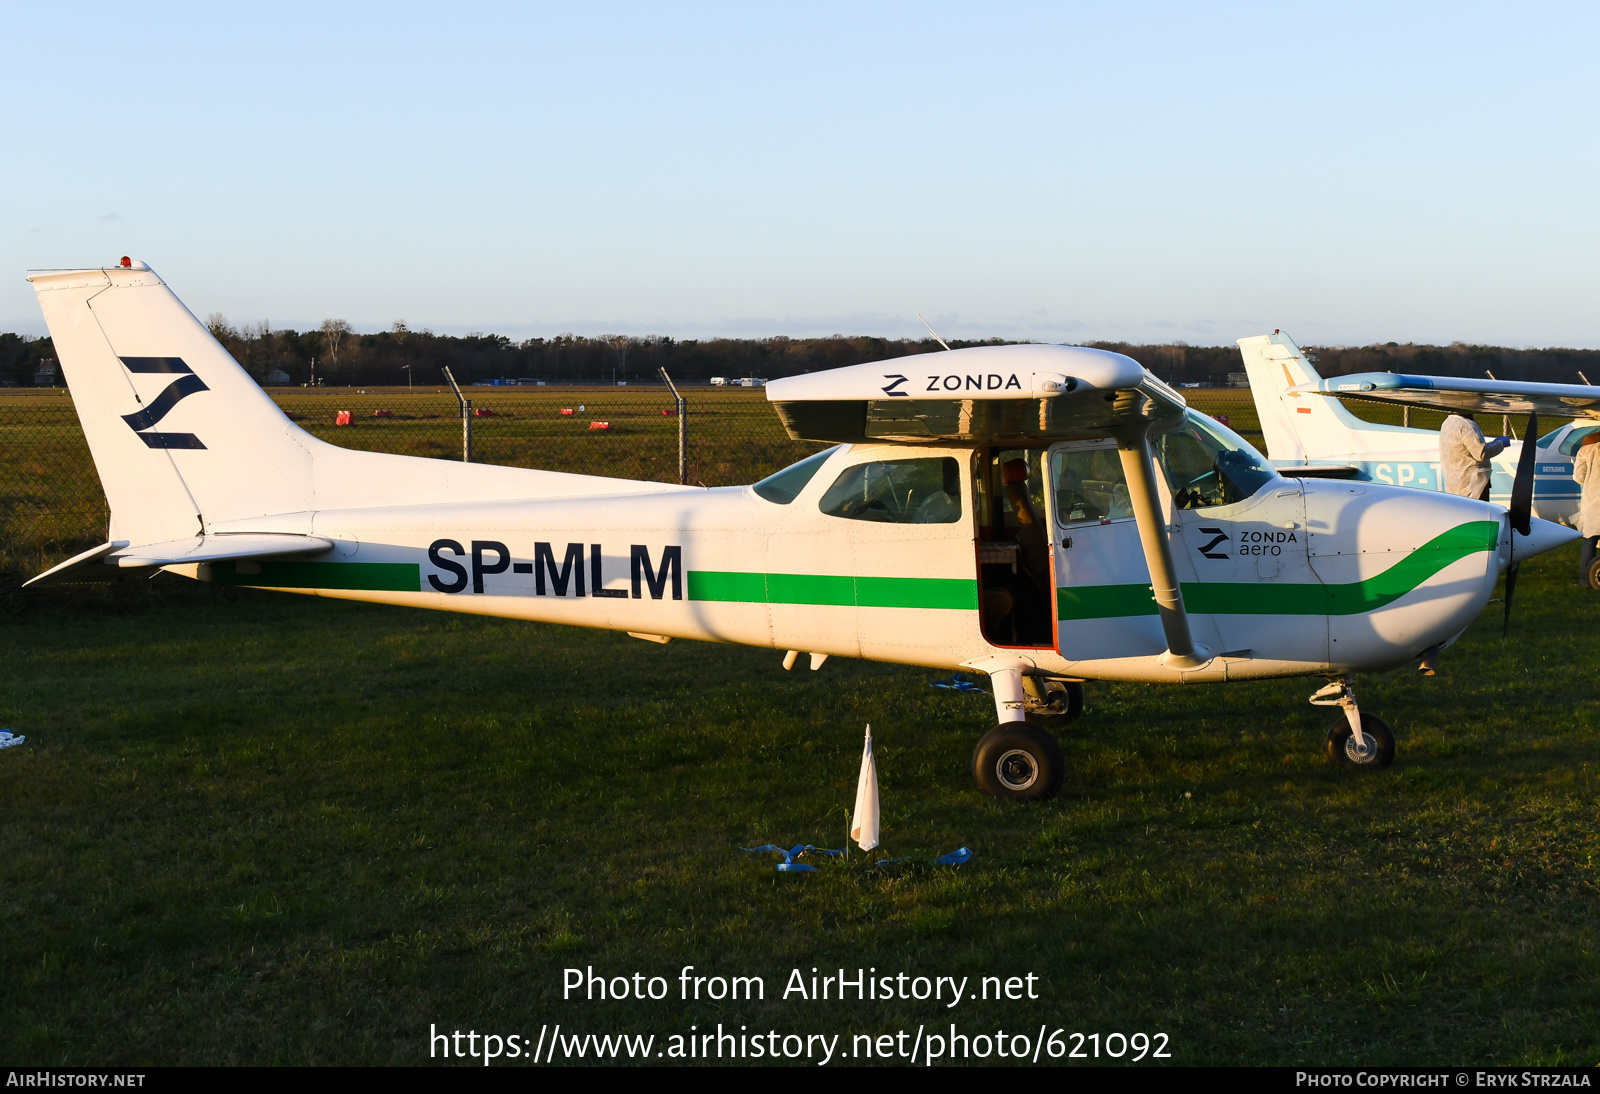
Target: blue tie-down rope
[(789, 865), (955, 858), (959, 683)]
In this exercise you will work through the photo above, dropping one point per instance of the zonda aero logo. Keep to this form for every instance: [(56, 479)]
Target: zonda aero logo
[(185, 385), (1244, 541), (983, 381), (1209, 548)]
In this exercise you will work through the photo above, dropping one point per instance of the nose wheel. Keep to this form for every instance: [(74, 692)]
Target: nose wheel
[(1357, 740), (1375, 749)]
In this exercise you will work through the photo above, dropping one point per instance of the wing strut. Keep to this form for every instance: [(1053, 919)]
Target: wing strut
[(1138, 466)]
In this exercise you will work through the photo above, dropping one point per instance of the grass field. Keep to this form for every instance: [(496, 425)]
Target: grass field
[(267, 829)]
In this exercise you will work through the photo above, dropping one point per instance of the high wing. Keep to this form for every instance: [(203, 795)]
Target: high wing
[(1462, 394), (988, 393)]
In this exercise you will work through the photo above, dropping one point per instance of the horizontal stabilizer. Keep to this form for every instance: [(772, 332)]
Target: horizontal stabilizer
[(219, 548), (88, 562), (1462, 393), (100, 563)]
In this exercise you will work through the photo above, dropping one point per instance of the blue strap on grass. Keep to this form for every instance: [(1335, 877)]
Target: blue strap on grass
[(955, 858), (959, 683), (789, 865)]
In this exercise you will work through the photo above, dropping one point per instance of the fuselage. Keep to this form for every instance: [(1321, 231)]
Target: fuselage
[(1302, 577), (1019, 510), (1397, 456)]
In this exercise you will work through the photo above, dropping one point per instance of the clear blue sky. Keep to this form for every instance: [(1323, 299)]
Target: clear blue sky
[(1350, 173)]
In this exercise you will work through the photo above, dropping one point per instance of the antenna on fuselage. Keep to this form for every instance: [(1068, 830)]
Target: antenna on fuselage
[(935, 333)]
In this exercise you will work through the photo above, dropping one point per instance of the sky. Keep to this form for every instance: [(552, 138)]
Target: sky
[(1060, 172)]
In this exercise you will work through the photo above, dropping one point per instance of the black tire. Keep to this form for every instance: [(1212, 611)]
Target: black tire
[(1019, 762), (1342, 745), (1594, 574), (1066, 703)]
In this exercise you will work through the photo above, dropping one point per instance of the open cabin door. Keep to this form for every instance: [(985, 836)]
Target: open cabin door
[(1104, 606)]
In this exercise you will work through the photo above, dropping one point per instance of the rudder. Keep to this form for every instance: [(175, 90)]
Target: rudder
[(181, 435), (1297, 427)]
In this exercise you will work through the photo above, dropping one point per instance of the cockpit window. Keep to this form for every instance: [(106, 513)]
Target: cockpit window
[(1207, 464), (926, 491), (784, 486)]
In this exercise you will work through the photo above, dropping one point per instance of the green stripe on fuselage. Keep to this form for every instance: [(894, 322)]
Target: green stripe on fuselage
[(954, 594), (388, 577), (1282, 598), (844, 590)]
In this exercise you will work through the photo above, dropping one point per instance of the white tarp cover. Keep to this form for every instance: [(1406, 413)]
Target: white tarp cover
[(864, 818)]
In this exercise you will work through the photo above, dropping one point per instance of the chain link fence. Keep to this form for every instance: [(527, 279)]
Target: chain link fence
[(52, 506)]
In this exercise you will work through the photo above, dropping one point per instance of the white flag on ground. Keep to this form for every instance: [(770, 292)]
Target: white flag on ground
[(864, 829)]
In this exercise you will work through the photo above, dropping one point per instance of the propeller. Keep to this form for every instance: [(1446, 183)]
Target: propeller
[(1520, 514)]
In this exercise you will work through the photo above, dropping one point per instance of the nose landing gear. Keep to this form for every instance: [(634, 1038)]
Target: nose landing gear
[(1356, 740)]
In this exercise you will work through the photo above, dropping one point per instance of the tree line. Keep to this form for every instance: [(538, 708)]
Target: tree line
[(334, 354)]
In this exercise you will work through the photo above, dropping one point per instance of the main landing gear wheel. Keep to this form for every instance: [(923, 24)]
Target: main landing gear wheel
[(1060, 704), (1018, 761), (1593, 575), (1378, 737)]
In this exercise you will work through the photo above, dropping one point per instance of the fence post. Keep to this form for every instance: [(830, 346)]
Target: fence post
[(466, 417), (683, 430)]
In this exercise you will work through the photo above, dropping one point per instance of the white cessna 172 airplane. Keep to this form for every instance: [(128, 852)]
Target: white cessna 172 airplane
[(1046, 515), (1307, 430)]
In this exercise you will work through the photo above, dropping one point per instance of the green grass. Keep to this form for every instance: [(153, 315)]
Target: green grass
[(259, 828)]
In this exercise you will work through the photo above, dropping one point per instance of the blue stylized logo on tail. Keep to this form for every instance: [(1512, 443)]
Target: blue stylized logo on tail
[(186, 384)]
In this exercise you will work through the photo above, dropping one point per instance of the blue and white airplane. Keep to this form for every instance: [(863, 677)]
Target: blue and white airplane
[(1309, 431)]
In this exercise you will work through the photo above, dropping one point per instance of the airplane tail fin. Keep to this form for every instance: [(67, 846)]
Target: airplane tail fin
[(180, 434), (185, 440), (1297, 426)]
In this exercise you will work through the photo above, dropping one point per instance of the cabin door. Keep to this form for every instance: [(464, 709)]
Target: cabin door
[(1252, 590), (1104, 606)]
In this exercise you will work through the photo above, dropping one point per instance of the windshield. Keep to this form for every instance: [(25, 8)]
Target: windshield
[(784, 486), (1574, 440), (1208, 464)]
